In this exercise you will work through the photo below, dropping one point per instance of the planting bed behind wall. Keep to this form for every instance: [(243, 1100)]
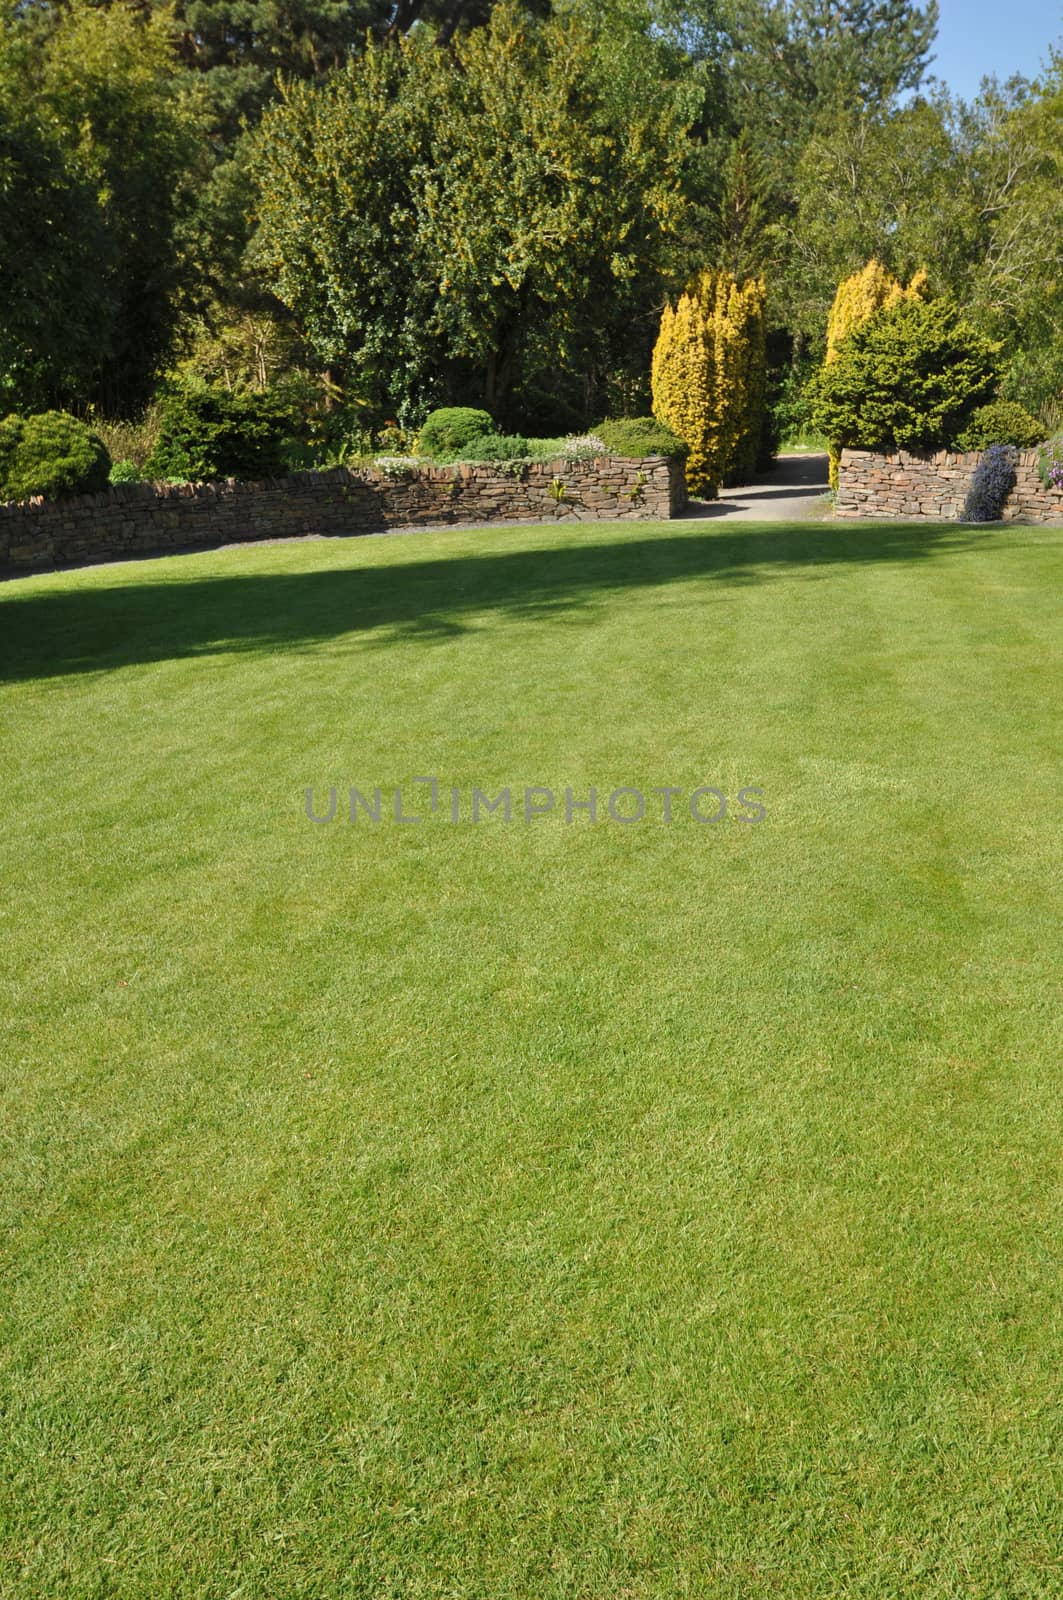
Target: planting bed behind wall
[(933, 487), (135, 519)]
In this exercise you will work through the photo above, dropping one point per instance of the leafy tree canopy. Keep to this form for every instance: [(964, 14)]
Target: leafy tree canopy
[(457, 226), (97, 166)]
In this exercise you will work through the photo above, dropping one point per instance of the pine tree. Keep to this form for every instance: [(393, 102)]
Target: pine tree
[(804, 61)]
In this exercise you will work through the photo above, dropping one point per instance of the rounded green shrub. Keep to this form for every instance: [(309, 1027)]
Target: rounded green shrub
[(909, 378), (449, 431), (634, 437), (495, 447), (207, 432), (50, 454), (125, 472), (1001, 422)]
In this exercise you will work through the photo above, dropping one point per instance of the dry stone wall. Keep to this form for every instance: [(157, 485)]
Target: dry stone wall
[(136, 519), (933, 487)]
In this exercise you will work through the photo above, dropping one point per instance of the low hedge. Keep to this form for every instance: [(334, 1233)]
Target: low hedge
[(639, 436), (495, 447)]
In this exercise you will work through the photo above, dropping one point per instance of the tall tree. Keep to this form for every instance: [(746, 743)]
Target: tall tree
[(1022, 275), (51, 307), (99, 176), (875, 184), (795, 63), (239, 51), (242, 47), (792, 70), (967, 190), (239, 47), (468, 228)]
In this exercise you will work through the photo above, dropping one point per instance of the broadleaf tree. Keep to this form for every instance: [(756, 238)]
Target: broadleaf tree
[(470, 227), (99, 175)]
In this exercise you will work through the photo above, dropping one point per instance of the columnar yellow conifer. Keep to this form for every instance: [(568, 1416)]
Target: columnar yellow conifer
[(857, 300), (680, 376), (708, 375), (746, 304)]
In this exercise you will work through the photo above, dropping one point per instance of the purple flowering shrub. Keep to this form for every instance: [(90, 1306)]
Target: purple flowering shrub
[(1050, 464), (991, 483)]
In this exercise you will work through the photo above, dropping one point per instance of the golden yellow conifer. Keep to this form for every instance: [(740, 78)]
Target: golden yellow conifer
[(708, 375), (747, 381)]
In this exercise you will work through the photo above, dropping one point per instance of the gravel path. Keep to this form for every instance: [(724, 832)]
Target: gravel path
[(790, 491)]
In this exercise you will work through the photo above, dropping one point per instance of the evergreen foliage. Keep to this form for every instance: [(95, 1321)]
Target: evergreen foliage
[(1000, 422), (634, 437), (451, 428), (857, 299), (861, 295), (708, 376), (50, 454), (208, 432), (495, 447), (910, 377)]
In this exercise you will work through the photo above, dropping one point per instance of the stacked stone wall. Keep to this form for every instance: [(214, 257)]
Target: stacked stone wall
[(933, 487), (142, 518)]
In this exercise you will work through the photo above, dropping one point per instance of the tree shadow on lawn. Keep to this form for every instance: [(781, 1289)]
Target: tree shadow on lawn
[(43, 633)]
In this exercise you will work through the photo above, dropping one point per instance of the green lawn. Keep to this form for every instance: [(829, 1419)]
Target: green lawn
[(533, 1211)]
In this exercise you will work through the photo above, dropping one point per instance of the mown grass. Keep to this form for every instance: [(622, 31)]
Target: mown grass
[(805, 440), (495, 1211)]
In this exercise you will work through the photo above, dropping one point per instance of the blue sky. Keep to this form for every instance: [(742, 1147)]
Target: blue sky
[(978, 37)]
